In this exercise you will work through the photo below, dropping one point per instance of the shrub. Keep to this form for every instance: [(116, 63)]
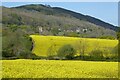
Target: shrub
[(6, 54), (53, 58), (66, 51), (72, 34), (24, 55), (96, 54), (107, 37)]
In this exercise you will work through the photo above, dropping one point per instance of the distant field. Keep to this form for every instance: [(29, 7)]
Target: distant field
[(58, 69), (44, 44)]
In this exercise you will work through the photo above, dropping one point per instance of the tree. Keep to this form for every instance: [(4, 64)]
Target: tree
[(52, 50), (15, 43), (118, 37), (81, 45), (66, 51), (118, 34), (55, 31)]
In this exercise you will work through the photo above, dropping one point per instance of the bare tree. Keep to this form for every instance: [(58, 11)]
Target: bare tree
[(81, 46), (52, 49)]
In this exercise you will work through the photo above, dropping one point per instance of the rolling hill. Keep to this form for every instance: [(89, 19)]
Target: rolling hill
[(46, 9), (56, 21)]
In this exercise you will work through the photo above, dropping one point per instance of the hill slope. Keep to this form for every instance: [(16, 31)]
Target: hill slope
[(60, 11), (57, 21)]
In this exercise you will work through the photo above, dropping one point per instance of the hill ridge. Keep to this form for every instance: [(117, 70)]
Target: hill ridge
[(78, 16)]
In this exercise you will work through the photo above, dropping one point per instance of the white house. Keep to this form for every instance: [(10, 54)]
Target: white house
[(40, 30), (84, 30), (78, 30)]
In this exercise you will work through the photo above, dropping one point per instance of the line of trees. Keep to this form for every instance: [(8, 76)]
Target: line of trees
[(80, 51), (96, 54)]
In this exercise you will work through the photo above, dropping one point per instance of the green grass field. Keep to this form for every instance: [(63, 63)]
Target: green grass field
[(44, 44), (58, 69)]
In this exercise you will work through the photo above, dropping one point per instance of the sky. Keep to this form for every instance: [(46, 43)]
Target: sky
[(106, 11)]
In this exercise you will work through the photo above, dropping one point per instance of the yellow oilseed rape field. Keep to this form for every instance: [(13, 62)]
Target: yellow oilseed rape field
[(43, 45), (22, 68)]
